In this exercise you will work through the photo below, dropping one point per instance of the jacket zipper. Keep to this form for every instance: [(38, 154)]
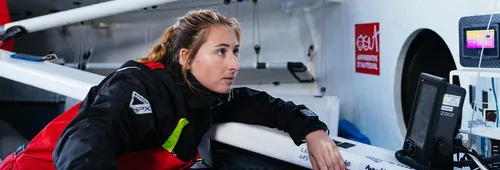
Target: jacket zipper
[(210, 110), (202, 162)]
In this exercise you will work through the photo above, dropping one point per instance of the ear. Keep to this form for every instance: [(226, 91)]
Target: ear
[(183, 54)]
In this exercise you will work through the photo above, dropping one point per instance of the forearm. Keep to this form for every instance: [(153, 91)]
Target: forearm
[(256, 107), (303, 126)]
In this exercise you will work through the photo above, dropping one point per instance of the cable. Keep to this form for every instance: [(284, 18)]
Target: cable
[(403, 158), (78, 48), (480, 60), (496, 99), (256, 21), (478, 163), (51, 56), (475, 157), (323, 48), (469, 163), (146, 33), (471, 158), (476, 160), (93, 41), (238, 9)]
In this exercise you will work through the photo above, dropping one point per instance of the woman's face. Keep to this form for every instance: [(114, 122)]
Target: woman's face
[(216, 64)]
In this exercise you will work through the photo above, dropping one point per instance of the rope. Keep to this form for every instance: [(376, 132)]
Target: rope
[(256, 24)]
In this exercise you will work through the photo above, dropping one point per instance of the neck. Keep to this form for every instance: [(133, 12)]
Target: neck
[(197, 96)]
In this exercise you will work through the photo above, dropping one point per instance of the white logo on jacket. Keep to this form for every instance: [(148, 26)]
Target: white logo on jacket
[(139, 104)]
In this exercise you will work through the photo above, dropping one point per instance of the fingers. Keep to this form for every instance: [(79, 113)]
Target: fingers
[(321, 163), (336, 158), (329, 161), (341, 160), (333, 159), (313, 162)]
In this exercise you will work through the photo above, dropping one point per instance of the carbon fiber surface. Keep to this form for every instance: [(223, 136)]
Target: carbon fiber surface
[(232, 158)]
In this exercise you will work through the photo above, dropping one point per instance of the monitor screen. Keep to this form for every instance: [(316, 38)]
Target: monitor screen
[(476, 38), (423, 113)]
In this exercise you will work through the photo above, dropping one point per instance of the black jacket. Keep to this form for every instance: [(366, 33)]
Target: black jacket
[(136, 108)]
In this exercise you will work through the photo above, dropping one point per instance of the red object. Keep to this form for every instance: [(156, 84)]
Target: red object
[(367, 44), (38, 153), (4, 19), (154, 65)]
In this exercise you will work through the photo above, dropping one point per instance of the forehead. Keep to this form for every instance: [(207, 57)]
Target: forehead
[(221, 34)]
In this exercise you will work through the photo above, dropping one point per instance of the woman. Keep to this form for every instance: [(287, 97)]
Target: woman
[(152, 113)]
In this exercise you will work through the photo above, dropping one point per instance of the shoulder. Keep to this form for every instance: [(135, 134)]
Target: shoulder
[(134, 73), (134, 84), (131, 79)]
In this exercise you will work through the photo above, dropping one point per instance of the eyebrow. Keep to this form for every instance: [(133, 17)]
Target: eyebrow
[(226, 45)]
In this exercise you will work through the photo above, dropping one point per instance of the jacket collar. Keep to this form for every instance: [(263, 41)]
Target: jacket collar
[(198, 97), (171, 77)]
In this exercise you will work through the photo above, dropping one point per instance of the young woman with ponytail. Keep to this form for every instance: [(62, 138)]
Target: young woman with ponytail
[(152, 112)]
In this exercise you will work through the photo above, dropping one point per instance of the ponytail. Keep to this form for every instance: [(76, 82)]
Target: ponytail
[(159, 49)]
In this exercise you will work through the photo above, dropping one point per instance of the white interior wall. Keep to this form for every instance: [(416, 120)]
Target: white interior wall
[(376, 98), (285, 34)]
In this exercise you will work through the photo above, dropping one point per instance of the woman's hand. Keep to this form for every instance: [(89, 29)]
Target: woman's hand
[(323, 152)]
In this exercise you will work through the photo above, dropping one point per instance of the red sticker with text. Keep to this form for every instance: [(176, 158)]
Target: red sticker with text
[(367, 44)]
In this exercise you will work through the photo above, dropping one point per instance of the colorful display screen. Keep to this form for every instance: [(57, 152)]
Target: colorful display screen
[(475, 38)]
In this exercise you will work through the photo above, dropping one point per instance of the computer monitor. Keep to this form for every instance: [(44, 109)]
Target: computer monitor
[(434, 121)]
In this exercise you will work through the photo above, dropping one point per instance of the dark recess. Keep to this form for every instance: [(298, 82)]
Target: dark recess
[(427, 53)]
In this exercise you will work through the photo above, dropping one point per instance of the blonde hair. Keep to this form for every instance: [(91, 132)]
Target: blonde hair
[(190, 32)]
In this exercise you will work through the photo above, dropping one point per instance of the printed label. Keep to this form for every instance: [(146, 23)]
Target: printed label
[(451, 100), (447, 108)]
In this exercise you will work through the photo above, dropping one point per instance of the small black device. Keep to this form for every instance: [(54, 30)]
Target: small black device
[(308, 114), (434, 122)]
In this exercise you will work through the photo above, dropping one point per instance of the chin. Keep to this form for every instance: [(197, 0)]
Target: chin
[(223, 90)]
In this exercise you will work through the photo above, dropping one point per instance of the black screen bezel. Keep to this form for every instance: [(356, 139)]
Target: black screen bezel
[(423, 154)]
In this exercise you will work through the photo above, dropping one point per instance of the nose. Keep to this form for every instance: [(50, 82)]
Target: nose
[(234, 64)]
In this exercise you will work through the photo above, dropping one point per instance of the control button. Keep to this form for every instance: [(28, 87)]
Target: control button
[(445, 148), (491, 116), (411, 149)]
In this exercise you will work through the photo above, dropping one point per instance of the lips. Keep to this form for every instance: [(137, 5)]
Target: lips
[(228, 79)]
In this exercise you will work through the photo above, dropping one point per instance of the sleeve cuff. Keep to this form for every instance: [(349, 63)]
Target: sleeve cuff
[(299, 138)]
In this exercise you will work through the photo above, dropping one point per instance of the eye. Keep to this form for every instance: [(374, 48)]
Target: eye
[(236, 52), (221, 52)]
